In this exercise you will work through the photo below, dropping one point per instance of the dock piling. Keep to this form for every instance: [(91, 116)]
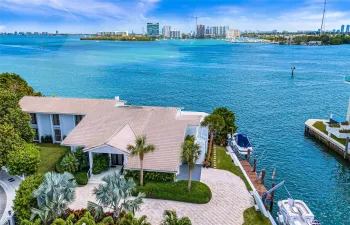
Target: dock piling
[(262, 176), (272, 196), (254, 165), (248, 155)]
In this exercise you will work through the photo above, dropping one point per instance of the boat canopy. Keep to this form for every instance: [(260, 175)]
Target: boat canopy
[(243, 141)]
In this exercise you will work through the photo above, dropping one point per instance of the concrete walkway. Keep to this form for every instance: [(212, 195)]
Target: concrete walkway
[(229, 200), (9, 184)]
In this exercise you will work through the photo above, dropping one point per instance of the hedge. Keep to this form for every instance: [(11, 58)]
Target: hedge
[(24, 199), (151, 176), (200, 193), (81, 177)]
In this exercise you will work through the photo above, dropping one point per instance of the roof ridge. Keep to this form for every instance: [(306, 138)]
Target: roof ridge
[(147, 120)]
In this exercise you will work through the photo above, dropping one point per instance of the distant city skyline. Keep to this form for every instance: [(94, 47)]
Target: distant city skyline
[(90, 16)]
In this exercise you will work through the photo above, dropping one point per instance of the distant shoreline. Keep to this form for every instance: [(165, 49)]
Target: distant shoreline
[(117, 38)]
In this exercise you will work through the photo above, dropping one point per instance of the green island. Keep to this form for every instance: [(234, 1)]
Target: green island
[(303, 39), (117, 38)]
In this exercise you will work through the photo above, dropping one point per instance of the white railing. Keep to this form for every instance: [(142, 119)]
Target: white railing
[(254, 192)]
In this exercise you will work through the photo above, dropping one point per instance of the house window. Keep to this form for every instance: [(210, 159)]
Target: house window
[(78, 118), (33, 116), (56, 119), (36, 134), (58, 135)]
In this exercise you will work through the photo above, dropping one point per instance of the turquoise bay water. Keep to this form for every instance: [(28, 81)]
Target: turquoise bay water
[(253, 80)]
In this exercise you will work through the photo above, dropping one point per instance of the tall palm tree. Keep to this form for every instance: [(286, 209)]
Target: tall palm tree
[(170, 218), (141, 149), (53, 196), (115, 194), (190, 154), (215, 123)]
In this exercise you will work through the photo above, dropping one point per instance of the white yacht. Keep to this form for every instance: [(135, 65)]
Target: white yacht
[(295, 212), (240, 142)]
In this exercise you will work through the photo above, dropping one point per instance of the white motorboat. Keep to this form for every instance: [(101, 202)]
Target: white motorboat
[(295, 212), (240, 143)]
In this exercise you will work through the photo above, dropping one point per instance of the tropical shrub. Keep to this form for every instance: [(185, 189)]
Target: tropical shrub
[(81, 177), (82, 157), (87, 219), (100, 163), (345, 123), (24, 199), (59, 221), (53, 196), (344, 131), (27, 222), (70, 163), (59, 167), (24, 160), (46, 139), (151, 176), (115, 194), (334, 125), (129, 219), (171, 218), (230, 126)]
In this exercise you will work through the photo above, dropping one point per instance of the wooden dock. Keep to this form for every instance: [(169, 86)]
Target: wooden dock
[(310, 130), (260, 188)]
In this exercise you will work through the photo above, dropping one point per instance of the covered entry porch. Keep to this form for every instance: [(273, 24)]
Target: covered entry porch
[(117, 160)]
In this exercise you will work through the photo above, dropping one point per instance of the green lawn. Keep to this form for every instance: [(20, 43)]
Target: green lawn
[(251, 216), (321, 127), (49, 154), (200, 192), (224, 162)]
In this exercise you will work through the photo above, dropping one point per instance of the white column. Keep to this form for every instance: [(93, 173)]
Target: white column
[(91, 160)]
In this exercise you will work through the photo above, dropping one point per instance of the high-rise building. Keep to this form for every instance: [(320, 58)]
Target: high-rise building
[(166, 31), (347, 28), (207, 31), (175, 34), (342, 29), (152, 29), (200, 31), (231, 33)]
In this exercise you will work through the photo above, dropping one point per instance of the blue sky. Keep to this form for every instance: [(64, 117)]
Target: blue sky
[(90, 16)]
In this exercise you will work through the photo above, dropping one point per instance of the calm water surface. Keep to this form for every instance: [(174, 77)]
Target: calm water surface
[(253, 80)]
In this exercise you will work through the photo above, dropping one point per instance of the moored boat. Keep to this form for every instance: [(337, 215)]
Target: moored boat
[(295, 212), (241, 143)]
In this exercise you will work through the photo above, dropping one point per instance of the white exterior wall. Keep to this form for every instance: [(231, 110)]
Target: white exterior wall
[(201, 135), (202, 140), (67, 124), (44, 125)]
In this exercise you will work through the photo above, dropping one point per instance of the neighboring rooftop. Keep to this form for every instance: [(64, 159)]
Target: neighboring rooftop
[(108, 123), (51, 105)]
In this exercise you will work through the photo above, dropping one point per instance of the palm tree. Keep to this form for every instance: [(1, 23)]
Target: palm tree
[(53, 196), (170, 218), (141, 149), (129, 219), (190, 154), (115, 194), (215, 123)]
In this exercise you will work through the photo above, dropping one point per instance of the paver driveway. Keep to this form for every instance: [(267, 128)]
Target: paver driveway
[(230, 199)]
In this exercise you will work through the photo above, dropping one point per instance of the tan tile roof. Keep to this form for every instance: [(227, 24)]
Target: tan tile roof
[(106, 124), (78, 106)]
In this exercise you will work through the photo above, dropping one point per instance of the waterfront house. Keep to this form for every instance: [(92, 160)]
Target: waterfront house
[(108, 126)]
